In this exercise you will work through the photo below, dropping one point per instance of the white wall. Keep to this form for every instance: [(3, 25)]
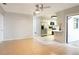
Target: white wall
[(1, 24), (2, 10), (17, 26)]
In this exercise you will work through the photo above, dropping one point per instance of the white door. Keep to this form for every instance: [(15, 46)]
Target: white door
[(36, 26), (73, 28), (1, 27)]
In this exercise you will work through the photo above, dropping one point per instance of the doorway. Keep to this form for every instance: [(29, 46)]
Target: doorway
[(1, 27), (73, 29)]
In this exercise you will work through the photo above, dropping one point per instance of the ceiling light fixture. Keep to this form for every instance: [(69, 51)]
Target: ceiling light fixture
[(4, 3), (39, 8), (37, 11)]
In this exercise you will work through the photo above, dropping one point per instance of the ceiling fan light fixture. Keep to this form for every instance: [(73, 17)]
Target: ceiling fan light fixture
[(37, 11)]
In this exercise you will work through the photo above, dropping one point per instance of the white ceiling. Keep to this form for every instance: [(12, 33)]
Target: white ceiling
[(29, 8)]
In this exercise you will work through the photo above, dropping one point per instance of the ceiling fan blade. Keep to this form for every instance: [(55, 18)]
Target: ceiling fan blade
[(41, 7), (47, 7), (37, 6)]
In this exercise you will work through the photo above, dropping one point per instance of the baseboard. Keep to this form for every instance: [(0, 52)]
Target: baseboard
[(18, 38), (1, 41)]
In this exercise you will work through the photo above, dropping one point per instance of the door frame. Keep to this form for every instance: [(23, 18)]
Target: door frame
[(66, 30), (2, 28), (66, 26)]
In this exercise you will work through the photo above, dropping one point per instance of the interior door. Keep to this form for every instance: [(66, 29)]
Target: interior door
[(1, 27), (36, 26), (73, 28)]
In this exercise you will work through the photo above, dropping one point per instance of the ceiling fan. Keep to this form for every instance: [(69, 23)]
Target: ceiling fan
[(41, 7), (4, 3)]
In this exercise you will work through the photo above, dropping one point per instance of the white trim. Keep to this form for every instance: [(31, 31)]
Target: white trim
[(65, 28), (1, 41)]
